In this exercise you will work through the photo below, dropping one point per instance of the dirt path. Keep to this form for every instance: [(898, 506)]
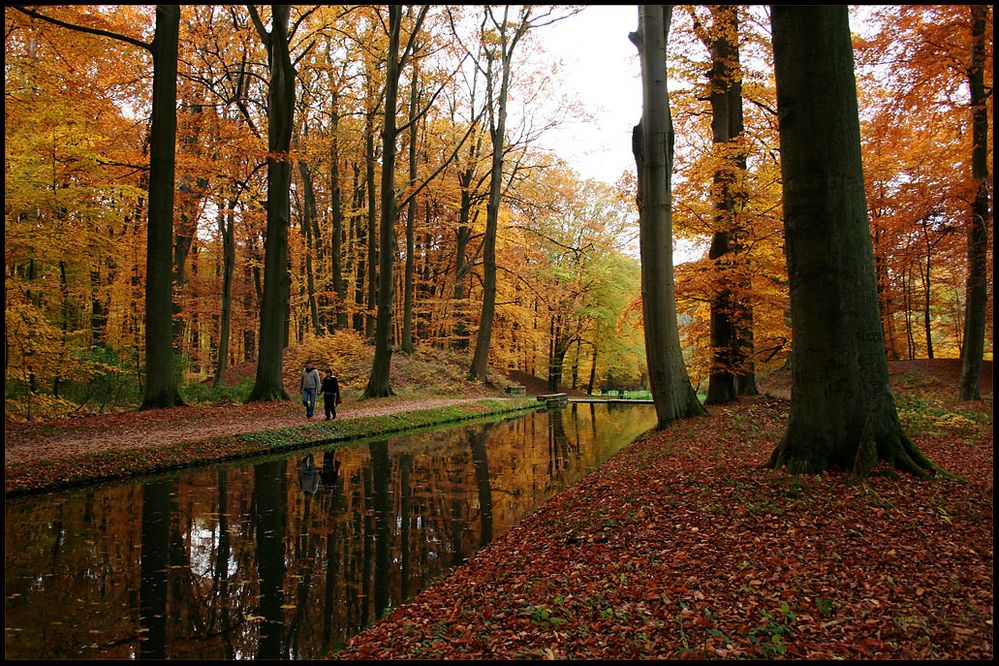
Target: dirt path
[(71, 437)]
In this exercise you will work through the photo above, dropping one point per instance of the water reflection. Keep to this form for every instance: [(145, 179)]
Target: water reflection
[(281, 557)]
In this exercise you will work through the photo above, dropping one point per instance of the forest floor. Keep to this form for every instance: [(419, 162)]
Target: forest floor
[(682, 546)]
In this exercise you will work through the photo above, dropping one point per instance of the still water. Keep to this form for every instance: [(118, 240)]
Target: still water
[(283, 556)]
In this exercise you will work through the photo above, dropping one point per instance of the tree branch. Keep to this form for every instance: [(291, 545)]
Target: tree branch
[(80, 28)]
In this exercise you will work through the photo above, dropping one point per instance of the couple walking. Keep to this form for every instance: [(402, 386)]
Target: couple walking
[(311, 384)]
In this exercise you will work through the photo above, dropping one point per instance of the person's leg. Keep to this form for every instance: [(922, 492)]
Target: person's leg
[(310, 402), (328, 404)]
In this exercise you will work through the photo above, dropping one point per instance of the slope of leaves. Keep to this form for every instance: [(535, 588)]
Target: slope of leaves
[(681, 546)]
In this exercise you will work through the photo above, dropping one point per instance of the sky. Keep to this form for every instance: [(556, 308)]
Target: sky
[(601, 69)]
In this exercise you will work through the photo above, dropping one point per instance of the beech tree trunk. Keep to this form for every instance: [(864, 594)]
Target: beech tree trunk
[(978, 225), (359, 245), (497, 130), (842, 412), (408, 295), (593, 372), (378, 383), (370, 246), (727, 244), (309, 216), (462, 265), (269, 383), (652, 144), (337, 228), (161, 376), (185, 229), (226, 230)]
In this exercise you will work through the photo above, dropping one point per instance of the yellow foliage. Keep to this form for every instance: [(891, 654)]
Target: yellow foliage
[(342, 352), (36, 407)]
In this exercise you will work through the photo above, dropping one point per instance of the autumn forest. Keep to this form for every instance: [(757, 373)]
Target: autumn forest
[(322, 339), (192, 190)]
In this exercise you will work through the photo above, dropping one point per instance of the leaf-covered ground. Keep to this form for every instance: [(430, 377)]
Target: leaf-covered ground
[(682, 547)]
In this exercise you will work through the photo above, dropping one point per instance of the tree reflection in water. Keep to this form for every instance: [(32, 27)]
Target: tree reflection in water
[(258, 560)]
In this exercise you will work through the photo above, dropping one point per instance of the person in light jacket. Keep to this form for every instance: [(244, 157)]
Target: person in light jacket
[(310, 386)]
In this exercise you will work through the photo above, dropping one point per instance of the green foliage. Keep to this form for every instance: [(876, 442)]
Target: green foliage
[(774, 626), (544, 616), (204, 392), (925, 415), (825, 606), (93, 381)]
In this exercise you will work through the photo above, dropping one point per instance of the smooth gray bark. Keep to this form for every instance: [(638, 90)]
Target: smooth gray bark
[(652, 144)]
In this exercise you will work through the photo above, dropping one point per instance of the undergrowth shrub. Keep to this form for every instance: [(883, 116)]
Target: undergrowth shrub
[(202, 392), (347, 353), (94, 381)]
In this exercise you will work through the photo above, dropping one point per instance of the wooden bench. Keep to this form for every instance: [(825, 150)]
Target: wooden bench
[(554, 399)]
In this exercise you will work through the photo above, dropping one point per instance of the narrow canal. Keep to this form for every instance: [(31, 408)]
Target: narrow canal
[(282, 557)]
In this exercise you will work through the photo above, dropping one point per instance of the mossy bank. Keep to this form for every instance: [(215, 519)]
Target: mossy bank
[(71, 471)]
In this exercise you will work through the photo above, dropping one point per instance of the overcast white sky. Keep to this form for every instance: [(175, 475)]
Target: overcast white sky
[(601, 67)]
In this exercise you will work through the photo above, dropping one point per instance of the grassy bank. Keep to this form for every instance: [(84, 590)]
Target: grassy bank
[(76, 470)]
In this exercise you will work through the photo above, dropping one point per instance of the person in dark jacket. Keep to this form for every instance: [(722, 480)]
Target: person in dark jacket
[(331, 394)]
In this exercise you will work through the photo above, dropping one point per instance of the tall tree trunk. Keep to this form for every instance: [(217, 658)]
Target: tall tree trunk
[(337, 229), (926, 293), (359, 250), (593, 372), (652, 144), (308, 220), (728, 191), (407, 307), (98, 312), (884, 294), (227, 231), (161, 377), (575, 364), (978, 225), (274, 308), (498, 107), (461, 264), (372, 247), (185, 230), (378, 384), (842, 411), (560, 346)]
